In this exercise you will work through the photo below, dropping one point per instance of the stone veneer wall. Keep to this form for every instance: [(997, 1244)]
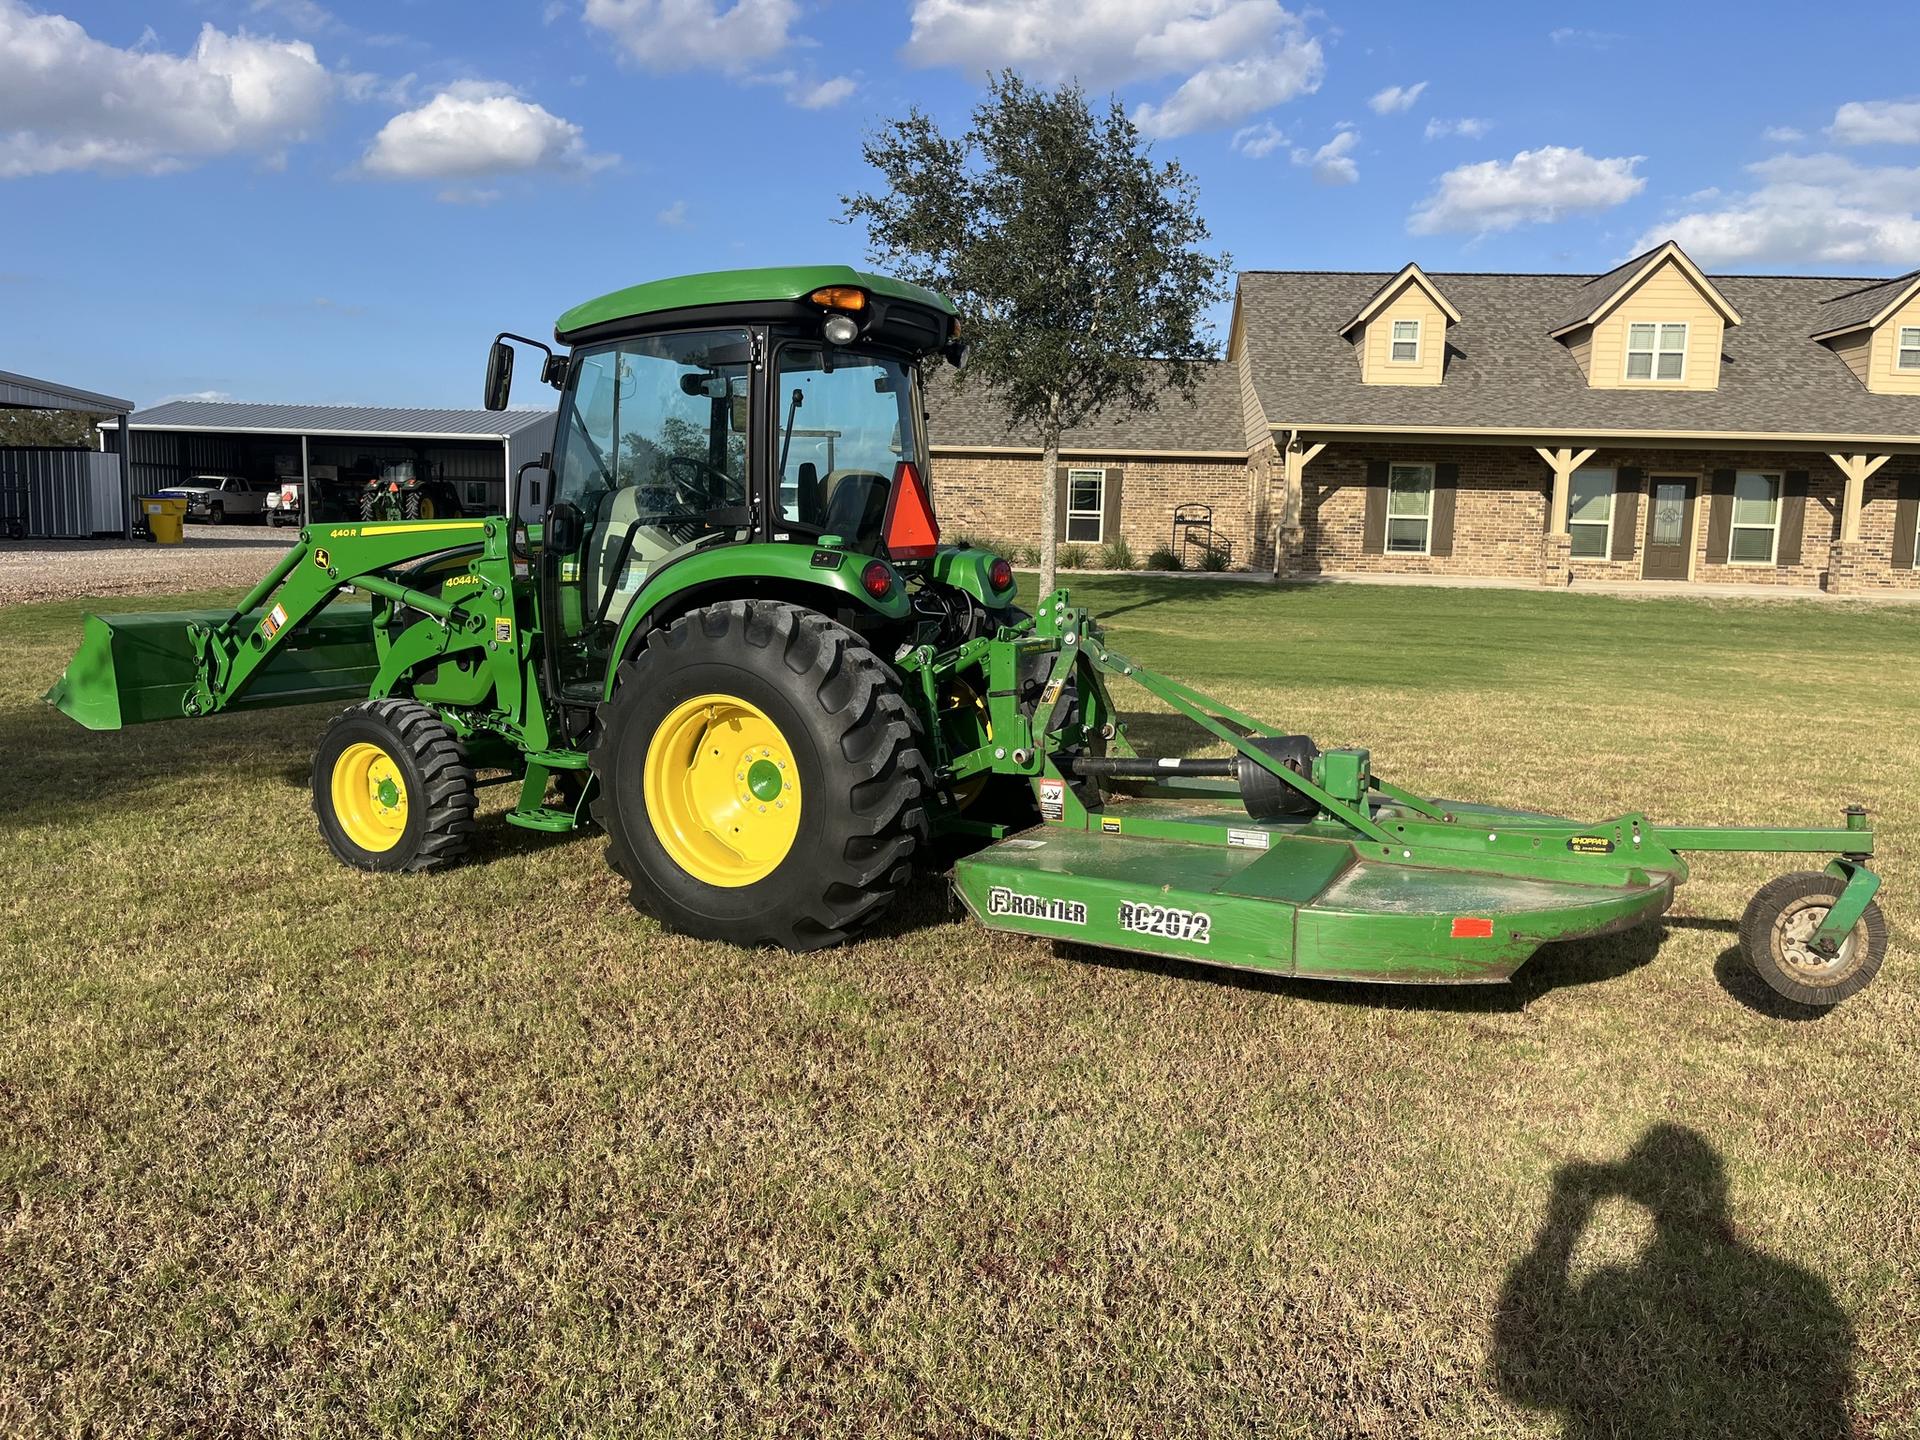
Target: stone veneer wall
[(1501, 515), (999, 496)]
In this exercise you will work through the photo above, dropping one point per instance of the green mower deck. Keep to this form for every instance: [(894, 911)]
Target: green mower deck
[(1280, 900)]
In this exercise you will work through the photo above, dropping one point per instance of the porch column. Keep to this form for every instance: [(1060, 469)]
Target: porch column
[(306, 485), (1847, 554), (1556, 550), (1294, 460)]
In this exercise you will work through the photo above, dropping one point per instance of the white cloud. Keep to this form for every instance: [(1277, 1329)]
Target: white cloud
[(1809, 210), (674, 217), (200, 395), (1395, 98), (472, 129), (1570, 35), (668, 35), (1234, 58), (1782, 134), (825, 95), (1877, 122), (1467, 127), (70, 102), (1333, 162), (1535, 187), (1256, 142)]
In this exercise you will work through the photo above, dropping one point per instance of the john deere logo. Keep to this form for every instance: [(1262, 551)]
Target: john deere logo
[(322, 559)]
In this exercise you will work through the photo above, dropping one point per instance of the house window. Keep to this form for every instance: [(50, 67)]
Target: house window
[(1909, 355), (1409, 509), (1406, 342), (1656, 352), (1086, 500), (1590, 514), (474, 494), (1756, 518)]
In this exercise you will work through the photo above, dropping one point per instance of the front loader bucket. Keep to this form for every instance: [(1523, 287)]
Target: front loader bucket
[(134, 668)]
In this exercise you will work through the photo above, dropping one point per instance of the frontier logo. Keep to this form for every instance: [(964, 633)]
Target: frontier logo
[(1002, 901)]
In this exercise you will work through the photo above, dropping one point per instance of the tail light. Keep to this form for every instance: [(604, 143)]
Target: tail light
[(909, 531), (877, 579), (1000, 574)]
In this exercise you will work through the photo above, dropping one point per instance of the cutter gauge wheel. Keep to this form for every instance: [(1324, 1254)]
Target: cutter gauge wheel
[(1777, 934)]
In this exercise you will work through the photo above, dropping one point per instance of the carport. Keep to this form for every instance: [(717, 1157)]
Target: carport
[(54, 492), (331, 449)]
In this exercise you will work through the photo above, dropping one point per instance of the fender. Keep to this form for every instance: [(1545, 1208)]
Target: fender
[(782, 568)]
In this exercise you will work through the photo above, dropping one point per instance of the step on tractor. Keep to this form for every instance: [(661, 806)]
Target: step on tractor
[(721, 627)]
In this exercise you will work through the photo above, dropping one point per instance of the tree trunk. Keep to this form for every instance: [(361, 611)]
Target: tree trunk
[(1049, 480)]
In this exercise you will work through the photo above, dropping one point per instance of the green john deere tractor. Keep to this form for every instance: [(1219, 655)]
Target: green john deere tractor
[(732, 640), (408, 490)]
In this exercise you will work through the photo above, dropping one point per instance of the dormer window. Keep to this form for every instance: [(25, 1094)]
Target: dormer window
[(1406, 342), (1656, 351), (1909, 357)]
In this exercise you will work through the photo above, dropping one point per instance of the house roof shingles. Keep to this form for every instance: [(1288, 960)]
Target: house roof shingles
[(968, 417), (1504, 371), (1856, 307)]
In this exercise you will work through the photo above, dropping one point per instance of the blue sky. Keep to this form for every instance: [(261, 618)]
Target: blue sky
[(341, 202)]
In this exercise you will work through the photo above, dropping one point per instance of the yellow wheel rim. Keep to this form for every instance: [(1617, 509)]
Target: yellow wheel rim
[(369, 796), (722, 790), (427, 511)]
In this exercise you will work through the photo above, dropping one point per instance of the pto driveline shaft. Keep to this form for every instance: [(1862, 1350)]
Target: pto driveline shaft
[(1141, 767)]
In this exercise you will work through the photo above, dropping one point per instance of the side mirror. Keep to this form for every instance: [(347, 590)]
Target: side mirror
[(566, 528), (499, 375)]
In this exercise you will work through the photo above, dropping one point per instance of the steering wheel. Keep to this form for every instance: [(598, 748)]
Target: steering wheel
[(697, 492)]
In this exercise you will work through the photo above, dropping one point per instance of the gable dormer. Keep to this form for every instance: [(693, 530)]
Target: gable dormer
[(1655, 323), (1402, 331), (1876, 331)]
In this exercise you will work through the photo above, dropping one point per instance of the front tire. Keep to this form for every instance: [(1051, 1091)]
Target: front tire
[(392, 788), (759, 778), (1777, 930)]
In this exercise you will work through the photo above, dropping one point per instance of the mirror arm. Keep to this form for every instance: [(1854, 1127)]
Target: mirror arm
[(553, 370)]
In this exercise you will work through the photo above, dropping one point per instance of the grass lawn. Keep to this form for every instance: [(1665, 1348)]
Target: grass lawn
[(291, 1149)]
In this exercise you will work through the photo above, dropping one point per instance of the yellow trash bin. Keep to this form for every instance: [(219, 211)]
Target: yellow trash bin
[(166, 519)]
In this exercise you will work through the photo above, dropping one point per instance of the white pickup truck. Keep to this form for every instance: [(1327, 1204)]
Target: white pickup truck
[(217, 498)]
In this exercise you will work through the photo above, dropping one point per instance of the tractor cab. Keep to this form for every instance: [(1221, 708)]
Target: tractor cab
[(746, 408)]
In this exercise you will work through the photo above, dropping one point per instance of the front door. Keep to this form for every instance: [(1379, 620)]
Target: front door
[(1669, 528)]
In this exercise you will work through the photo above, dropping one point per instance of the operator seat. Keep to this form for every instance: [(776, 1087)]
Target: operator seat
[(620, 512), (855, 504)]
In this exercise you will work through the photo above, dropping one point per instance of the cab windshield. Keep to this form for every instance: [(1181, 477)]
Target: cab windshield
[(844, 421)]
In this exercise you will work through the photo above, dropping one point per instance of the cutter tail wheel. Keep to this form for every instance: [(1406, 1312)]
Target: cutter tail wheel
[(392, 788), (1777, 934), (759, 778)]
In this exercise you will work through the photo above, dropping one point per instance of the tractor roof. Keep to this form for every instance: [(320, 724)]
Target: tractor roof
[(776, 284)]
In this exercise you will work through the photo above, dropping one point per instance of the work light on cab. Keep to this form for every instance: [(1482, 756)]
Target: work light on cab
[(909, 531), (848, 300)]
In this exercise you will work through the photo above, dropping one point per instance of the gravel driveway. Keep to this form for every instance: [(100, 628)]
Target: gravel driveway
[(211, 557)]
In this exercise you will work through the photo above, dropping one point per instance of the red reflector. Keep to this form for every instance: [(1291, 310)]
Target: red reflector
[(1000, 575), (1472, 927), (909, 531), (877, 579)]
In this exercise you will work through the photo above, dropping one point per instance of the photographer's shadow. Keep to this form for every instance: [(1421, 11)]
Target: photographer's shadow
[(1702, 1335)]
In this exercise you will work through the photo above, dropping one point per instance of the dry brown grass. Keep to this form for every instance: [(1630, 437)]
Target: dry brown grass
[(294, 1150)]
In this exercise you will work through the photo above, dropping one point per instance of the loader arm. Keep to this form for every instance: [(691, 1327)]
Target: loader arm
[(284, 645)]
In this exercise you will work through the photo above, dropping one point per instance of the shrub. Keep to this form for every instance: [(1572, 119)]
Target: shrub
[(1163, 559), (1116, 554), (1072, 557), (1215, 560)]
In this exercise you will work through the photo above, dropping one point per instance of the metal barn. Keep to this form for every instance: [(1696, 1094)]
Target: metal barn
[(61, 494), (330, 449)]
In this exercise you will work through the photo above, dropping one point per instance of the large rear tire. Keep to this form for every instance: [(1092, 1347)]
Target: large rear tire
[(392, 788), (759, 778)]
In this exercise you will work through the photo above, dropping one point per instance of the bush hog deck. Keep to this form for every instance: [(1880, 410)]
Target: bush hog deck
[(732, 640)]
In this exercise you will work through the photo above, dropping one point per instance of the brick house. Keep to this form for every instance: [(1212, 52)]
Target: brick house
[(1650, 423)]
